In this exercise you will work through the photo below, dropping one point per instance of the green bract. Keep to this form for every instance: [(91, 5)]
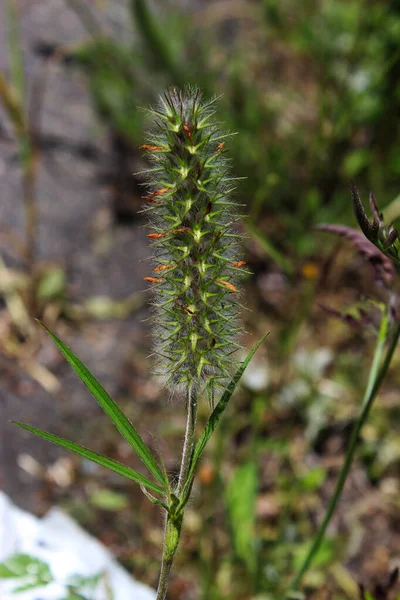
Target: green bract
[(195, 246)]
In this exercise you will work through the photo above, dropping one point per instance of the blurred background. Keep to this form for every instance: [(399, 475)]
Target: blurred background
[(312, 90)]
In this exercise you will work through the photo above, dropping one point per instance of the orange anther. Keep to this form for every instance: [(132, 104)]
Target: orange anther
[(239, 263), (181, 230), (159, 192), (151, 148), (156, 236), (151, 196), (154, 279), (187, 130), (162, 268), (220, 146), (228, 285)]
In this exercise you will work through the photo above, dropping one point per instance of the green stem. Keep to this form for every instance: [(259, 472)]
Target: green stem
[(166, 566), (15, 50), (25, 141), (171, 542), (174, 523), (189, 439), (375, 379)]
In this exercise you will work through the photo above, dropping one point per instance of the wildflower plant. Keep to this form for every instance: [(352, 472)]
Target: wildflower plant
[(195, 284), (379, 245), (196, 309), (195, 247)]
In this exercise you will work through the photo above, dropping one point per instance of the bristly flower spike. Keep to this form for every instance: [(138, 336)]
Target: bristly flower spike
[(192, 219)]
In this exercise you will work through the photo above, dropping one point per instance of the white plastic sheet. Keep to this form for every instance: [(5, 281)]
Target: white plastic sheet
[(68, 550)]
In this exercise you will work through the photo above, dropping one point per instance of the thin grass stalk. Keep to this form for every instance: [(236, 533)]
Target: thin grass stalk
[(173, 523), (189, 439), (15, 50), (13, 97), (171, 541), (157, 43), (165, 572), (376, 377)]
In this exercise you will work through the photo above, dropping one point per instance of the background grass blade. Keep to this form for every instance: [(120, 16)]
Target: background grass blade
[(157, 43), (217, 413), (120, 421), (269, 249), (104, 461), (240, 498)]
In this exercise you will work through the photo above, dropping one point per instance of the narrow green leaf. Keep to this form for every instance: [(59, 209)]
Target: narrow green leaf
[(120, 421), (217, 413), (104, 461)]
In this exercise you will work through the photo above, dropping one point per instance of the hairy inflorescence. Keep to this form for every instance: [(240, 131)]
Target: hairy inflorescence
[(192, 217)]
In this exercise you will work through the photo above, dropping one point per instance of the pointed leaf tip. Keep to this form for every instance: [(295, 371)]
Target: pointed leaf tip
[(112, 410), (100, 459)]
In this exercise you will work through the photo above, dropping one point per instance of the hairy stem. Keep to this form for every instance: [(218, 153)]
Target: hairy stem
[(376, 376), (164, 576), (189, 439), (174, 523)]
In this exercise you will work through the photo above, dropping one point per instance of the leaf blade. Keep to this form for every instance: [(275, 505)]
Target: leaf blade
[(100, 459), (112, 410)]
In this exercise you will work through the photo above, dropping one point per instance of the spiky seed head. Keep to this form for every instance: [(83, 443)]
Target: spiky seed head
[(192, 217)]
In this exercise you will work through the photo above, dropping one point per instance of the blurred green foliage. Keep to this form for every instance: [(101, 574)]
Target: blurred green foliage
[(311, 88)]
